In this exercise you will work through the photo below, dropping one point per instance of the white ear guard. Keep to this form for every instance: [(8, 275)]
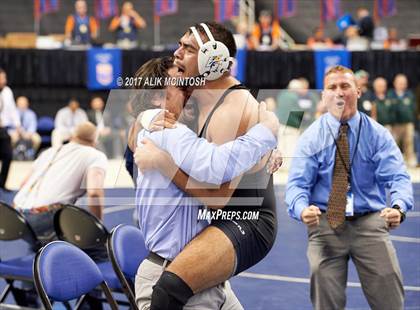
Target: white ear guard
[(213, 56)]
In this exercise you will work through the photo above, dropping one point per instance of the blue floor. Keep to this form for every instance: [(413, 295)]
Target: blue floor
[(286, 266)]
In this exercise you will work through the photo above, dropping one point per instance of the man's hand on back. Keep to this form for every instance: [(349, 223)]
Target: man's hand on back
[(149, 156)]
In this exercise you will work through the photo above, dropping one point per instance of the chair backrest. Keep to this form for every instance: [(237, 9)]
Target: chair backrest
[(63, 272), (127, 246), (44, 127), (13, 226), (126, 249), (45, 124), (79, 227)]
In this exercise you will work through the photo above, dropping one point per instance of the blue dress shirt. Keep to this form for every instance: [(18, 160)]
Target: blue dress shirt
[(168, 217), (377, 166), (28, 120)]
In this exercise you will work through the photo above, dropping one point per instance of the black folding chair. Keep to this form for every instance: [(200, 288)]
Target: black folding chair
[(13, 226)]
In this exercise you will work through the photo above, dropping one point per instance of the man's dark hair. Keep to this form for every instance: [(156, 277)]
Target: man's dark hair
[(153, 69), (2, 71), (73, 99), (220, 33)]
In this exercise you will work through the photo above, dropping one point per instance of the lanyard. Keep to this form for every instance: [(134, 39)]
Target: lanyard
[(348, 170)]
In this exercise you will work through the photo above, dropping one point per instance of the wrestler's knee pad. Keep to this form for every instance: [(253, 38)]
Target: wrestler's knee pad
[(170, 292)]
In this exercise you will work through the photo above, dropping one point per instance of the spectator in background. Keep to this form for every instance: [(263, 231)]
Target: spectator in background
[(242, 37), (80, 28), (58, 177), (365, 23), (66, 121), (384, 114), (364, 104), (380, 34), (9, 118), (418, 124), (26, 134), (296, 110), (394, 43), (319, 40), (403, 105), (353, 40), (102, 120), (266, 33), (126, 26)]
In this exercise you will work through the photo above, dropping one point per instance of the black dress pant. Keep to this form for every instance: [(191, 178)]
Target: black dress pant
[(6, 154)]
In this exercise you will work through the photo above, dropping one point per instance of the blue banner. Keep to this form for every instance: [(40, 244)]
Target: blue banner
[(327, 59), (104, 67), (239, 68), (166, 7)]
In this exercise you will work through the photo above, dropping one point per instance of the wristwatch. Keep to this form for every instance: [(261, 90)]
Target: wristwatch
[(402, 213)]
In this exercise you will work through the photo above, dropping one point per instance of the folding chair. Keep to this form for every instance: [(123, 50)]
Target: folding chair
[(63, 272), (84, 230), (45, 127), (13, 226), (126, 249)]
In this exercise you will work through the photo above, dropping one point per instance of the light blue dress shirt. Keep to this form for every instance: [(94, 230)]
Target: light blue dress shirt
[(28, 120), (168, 217), (377, 166)]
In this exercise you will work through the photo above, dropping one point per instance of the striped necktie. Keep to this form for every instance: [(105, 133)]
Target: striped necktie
[(336, 212)]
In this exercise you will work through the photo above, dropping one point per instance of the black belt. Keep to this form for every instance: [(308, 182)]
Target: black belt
[(355, 216), (157, 259)]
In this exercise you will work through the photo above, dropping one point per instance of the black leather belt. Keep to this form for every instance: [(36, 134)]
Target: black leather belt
[(157, 259)]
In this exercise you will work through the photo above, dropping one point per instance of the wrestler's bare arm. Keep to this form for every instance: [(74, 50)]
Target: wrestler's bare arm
[(234, 118)]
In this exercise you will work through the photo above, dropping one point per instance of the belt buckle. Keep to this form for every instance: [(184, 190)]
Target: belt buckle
[(43, 209), (39, 210)]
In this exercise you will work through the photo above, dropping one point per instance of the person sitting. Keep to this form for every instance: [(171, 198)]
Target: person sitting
[(66, 121), (319, 40), (394, 43), (25, 138), (59, 176), (266, 33), (353, 40), (126, 26), (80, 28)]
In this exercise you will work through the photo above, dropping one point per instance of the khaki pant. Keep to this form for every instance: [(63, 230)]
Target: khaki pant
[(218, 297), (366, 241), (35, 138), (404, 136)]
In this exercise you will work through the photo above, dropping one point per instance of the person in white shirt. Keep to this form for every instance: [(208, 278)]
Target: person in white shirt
[(9, 118), (60, 176), (66, 121)]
